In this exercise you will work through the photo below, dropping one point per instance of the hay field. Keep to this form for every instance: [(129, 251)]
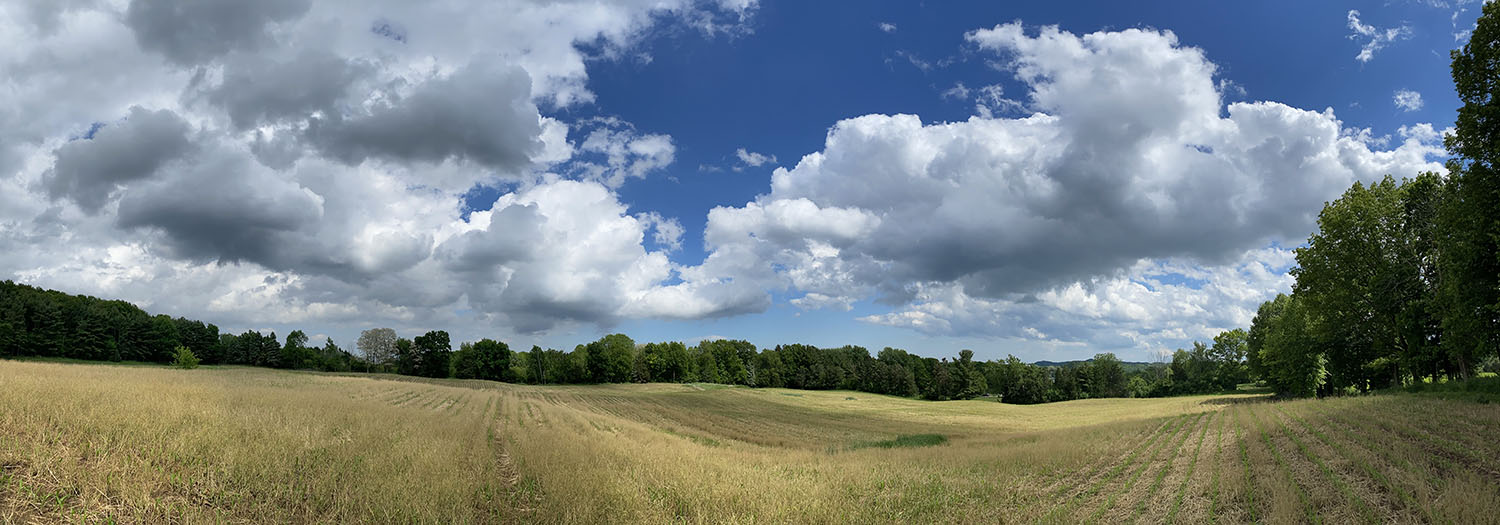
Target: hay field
[(96, 443)]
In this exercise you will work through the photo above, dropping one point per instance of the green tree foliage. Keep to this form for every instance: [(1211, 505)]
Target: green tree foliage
[(39, 322), (1018, 382), (296, 354), (1193, 371), (486, 359), (971, 383), (183, 358), (331, 358), (1401, 282), (663, 362), (1292, 358), (432, 352), (1228, 353), (1106, 376), (405, 357), (1361, 277), (610, 359), (1469, 294)]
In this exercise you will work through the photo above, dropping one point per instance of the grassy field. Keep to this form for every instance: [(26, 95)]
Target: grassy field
[(95, 443)]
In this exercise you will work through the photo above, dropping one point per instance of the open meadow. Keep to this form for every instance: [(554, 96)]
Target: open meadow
[(97, 443)]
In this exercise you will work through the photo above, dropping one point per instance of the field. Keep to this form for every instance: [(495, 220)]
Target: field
[(95, 443)]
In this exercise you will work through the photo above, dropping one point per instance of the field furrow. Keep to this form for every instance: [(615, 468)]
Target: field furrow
[(1105, 476), (96, 444), (1182, 485), (1113, 495), (1132, 506)]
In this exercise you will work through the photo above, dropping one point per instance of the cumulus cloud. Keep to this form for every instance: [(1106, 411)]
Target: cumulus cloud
[(560, 251), (614, 152), (1374, 38), (480, 113), (256, 90), (1152, 305), (752, 159), (1407, 100), (193, 33), (887, 27), (1130, 157), (223, 206), (310, 166), (90, 168), (291, 161)]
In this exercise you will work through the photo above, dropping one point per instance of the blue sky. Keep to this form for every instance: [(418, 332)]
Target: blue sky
[(1077, 177), (809, 64)]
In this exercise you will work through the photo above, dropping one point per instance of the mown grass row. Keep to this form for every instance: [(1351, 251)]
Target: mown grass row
[(91, 444)]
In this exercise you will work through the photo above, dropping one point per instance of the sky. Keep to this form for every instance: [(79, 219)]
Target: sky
[(1049, 180)]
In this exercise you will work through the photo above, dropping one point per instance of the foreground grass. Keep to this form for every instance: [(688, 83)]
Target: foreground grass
[(95, 443)]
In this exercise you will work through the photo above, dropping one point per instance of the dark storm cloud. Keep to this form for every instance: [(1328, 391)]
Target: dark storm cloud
[(88, 170), (225, 208), (481, 113), (256, 90), (193, 32)]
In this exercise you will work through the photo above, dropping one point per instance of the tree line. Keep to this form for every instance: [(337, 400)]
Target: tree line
[(616, 358), (1401, 282), (48, 323)]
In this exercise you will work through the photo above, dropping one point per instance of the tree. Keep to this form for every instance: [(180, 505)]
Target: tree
[(405, 358), (432, 351), (666, 362), (610, 358), (1353, 278), (1228, 353), (1193, 371), (378, 345), (1106, 376), (331, 358), (486, 359), (726, 357), (295, 353), (538, 362), (183, 358), (971, 382), (1469, 294), (1292, 359)]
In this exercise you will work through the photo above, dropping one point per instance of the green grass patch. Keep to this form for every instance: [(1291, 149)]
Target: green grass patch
[(71, 361), (701, 440), (911, 440), (1482, 389), (709, 386)]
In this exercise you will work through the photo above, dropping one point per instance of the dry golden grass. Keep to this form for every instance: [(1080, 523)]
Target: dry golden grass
[(97, 443)]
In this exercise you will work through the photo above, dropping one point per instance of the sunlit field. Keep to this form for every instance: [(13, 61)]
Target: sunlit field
[(95, 443)]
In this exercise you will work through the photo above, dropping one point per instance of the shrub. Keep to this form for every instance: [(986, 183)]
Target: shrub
[(184, 358)]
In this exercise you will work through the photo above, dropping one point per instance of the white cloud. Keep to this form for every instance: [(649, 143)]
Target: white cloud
[(752, 159), (666, 231), (1130, 158), (1375, 38), (303, 162), (887, 27), (623, 153), (1151, 307), (991, 100), (958, 92), (1407, 100)]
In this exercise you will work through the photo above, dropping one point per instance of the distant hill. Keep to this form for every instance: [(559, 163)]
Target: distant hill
[(1130, 366)]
